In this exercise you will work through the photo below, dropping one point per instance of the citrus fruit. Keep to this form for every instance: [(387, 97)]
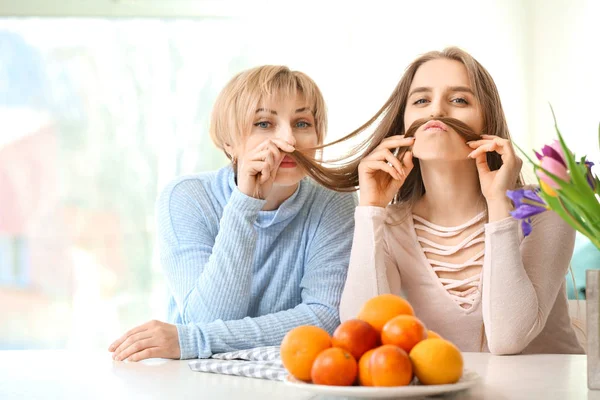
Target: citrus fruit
[(300, 347), (437, 362)]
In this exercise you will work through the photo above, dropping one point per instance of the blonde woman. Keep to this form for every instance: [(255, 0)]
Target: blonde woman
[(254, 249), (447, 240)]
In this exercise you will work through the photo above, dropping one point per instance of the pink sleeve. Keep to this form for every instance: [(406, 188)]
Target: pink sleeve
[(521, 279), (370, 263)]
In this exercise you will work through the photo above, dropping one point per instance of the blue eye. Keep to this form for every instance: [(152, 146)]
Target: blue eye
[(460, 100), (420, 101), (262, 124), (303, 125)]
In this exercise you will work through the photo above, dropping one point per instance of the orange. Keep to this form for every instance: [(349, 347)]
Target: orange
[(300, 347), (404, 331), (355, 336), (380, 309), (364, 370), (437, 362), (390, 366), (335, 367), (433, 335)]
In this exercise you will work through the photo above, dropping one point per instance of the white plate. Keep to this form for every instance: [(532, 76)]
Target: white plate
[(469, 379)]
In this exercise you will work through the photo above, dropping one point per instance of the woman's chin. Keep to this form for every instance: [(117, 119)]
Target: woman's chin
[(288, 176)]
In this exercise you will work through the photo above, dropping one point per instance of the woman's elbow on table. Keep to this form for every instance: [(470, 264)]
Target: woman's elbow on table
[(506, 346)]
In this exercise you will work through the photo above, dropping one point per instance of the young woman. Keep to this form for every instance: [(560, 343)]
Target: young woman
[(254, 249), (447, 241)]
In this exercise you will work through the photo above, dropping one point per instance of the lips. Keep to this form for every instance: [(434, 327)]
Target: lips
[(287, 162), (435, 125)]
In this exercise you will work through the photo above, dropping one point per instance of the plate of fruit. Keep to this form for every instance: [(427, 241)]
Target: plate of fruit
[(386, 352)]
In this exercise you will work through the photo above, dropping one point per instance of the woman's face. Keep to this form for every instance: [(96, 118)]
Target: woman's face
[(290, 119), (441, 88)]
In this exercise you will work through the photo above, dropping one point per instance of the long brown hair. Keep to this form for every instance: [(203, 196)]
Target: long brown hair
[(341, 173)]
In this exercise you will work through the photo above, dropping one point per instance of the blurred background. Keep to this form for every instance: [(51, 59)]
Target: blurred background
[(102, 102)]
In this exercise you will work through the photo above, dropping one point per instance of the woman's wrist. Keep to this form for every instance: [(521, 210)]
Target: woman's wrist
[(368, 203), (499, 209)]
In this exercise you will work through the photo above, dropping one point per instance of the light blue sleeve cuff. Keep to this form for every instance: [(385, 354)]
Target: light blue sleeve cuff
[(244, 203), (190, 342)]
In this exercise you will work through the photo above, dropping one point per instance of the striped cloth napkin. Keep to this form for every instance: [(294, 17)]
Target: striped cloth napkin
[(260, 362)]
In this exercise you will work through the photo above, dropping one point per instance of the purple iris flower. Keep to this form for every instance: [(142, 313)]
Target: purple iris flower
[(589, 176), (527, 204)]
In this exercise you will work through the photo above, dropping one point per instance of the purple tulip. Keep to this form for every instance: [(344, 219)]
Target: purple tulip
[(527, 204), (553, 151), (555, 167)]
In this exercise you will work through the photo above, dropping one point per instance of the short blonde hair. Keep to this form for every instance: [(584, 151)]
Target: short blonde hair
[(236, 105)]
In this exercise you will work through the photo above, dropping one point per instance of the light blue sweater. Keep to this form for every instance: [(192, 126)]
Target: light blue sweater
[(240, 277)]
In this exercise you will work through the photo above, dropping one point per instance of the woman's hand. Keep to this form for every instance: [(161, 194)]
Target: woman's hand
[(494, 184), (257, 169), (153, 339), (379, 163)]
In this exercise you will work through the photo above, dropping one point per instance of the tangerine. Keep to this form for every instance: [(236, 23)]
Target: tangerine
[(390, 366), (378, 310), (335, 367), (300, 347), (404, 331), (364, 370), (355, 336)]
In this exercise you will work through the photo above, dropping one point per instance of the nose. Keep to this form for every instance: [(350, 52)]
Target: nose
[(438, 109), (285, 132)]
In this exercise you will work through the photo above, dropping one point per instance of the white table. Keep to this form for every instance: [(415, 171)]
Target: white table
[(71, 375)]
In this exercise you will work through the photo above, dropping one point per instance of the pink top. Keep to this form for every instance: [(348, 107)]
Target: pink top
[(462, 280)]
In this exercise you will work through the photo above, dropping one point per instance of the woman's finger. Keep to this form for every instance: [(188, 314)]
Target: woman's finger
[(486, 148), (151, 352), (391, 159), (488, 139), (265, 173), (477, 143), (135, 347), (493, 137), (253, 168), (283, 145), (375, 165), (259, 155), (115, 345), (482, 165), (276, 156), (130, 340), (259, 152)]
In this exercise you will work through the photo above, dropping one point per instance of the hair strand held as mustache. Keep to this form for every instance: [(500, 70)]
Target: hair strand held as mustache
[(341, 174)]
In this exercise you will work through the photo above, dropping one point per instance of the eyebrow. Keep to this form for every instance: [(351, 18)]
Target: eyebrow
[(451, 89), (265, 110), (300, 110)]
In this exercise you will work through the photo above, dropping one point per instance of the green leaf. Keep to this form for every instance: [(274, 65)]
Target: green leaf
[(524, 154), (585, 203), (556, 207)]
